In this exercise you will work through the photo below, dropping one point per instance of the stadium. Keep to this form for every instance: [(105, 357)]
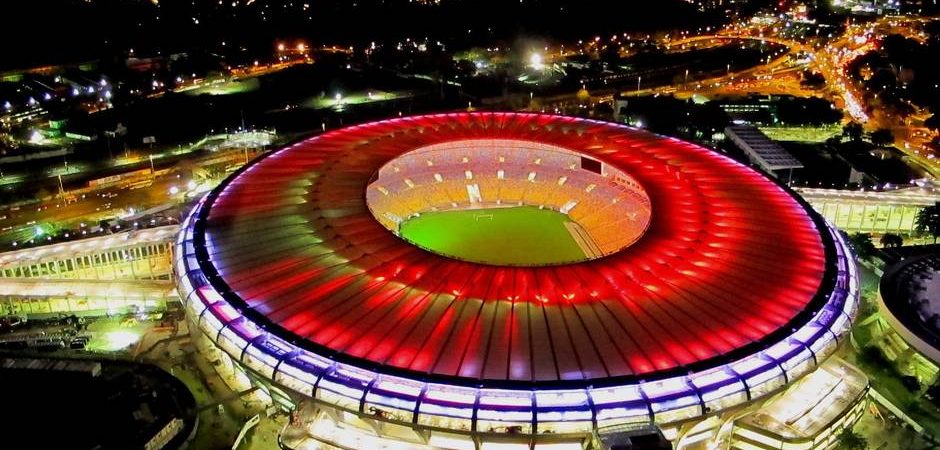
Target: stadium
[(504, 281), (908, 324)]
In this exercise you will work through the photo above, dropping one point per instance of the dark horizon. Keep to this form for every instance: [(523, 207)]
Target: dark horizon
[(76, 31)]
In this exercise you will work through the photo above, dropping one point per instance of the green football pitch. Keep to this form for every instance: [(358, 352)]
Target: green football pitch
[(522, 235)]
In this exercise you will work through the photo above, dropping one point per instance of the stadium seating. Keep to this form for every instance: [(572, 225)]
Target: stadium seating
[(611, 208)]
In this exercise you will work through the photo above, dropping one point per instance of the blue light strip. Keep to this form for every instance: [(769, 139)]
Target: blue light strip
[(670, 400)]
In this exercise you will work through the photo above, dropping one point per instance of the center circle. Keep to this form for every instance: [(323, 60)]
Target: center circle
[(507, 202)]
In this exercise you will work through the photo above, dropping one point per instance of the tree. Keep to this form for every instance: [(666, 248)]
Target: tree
[(862, 244), (933, 122), (882, 137), (850, 440), (933, 394), (834, 141), (813, 80), (928, 221), (891, 240), (911, 383), (852, 130)]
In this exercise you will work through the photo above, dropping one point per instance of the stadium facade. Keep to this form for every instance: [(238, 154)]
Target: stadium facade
[(720, 289), (907, 326)]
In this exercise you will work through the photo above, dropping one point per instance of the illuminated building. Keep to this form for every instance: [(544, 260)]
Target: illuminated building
[(114, 274), (762, 151), (877, 7), (907, 329), (887, 211), (810, 415), (726, 289)]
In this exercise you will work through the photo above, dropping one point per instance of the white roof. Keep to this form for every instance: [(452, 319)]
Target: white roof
[(767, 153)]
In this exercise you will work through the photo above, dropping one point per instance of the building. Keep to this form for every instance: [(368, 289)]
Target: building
[(763, 152), (810, 415), (112, 274), (727, 289), (907, 326), (887, 211), (868, 7)]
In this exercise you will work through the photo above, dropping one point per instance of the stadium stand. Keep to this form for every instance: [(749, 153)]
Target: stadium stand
[(610, 208)]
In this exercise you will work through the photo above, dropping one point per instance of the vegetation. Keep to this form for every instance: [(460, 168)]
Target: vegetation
[(933, 122), (850, 440), (874, 356), (813, 80), (882, 137), (853, 131), (890, 240), (806, 111), (861, 242), (933, 394), (672, 116), (910, 382), (900, 75), (928, 221)]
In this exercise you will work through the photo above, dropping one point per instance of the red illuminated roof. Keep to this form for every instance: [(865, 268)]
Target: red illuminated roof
[(730, 260)]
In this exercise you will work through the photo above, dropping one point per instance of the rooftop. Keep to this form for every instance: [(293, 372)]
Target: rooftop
[(765, 152), (812, 404), (297, 252)]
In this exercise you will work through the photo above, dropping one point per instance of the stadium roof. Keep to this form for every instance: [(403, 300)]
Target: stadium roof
[(62, 250), (766, 153), (910, 295), (731, 263)]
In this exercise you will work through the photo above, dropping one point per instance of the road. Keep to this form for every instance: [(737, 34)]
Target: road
[(828, 56), (25, 223), (41, 220)]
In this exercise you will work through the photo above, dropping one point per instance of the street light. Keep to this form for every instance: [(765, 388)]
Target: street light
[(535, 60)]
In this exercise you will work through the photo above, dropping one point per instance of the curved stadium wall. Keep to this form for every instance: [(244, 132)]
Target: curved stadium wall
[(530, 408)]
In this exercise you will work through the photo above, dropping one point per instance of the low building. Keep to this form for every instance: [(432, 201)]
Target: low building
[(887, 211), (810, 415), (908, 325), (761, 151), (110, 274)]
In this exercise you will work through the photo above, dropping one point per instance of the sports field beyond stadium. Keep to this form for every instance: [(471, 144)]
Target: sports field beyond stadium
[(524, 235)]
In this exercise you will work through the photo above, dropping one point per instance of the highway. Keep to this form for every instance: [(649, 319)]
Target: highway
[(781, 75), (63, 214)]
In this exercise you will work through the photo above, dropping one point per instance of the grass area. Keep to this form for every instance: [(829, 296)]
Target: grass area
[(352, 98), (522, 235), (885, 380), (802, 134), (227, 87)]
